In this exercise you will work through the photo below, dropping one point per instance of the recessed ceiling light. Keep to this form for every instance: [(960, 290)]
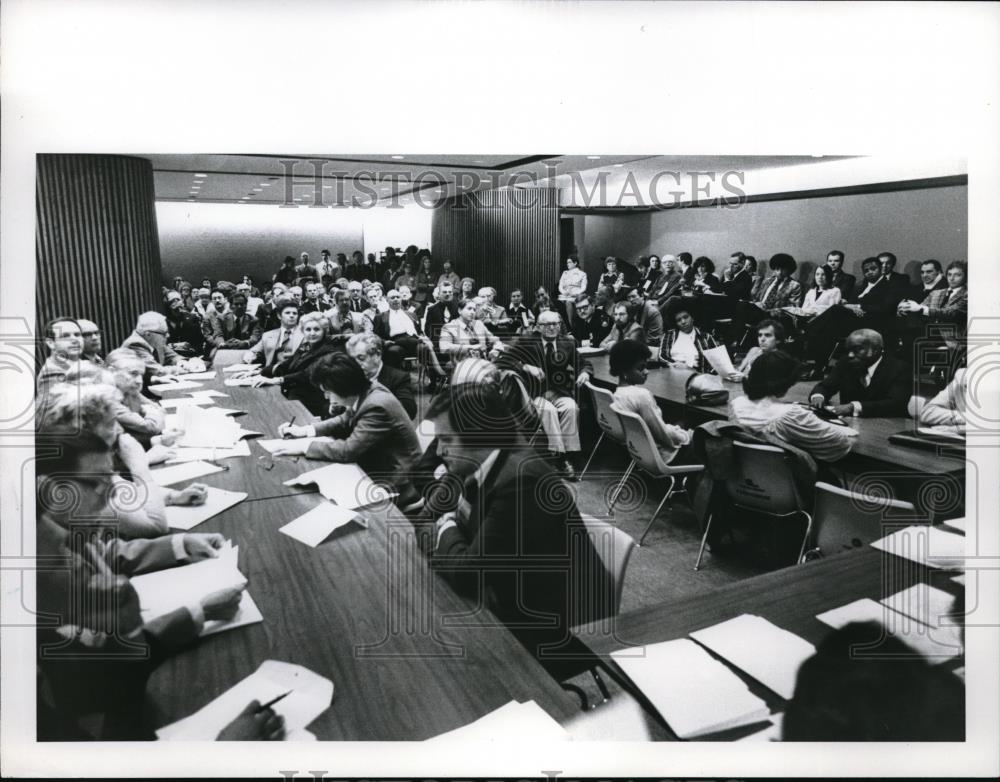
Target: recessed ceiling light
[(258, 190), (396, 157), (619, 165), (265, 184), (593, 157), (817, 156), (192, 199), (327, 187), (201, 175)]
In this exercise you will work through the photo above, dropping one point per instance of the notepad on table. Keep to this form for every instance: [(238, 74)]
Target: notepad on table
[(242, 448), (185, 517), (311, 695), (272, 445), (167, 590), (185, 471), (926, 604), (514, 720), (760, 649), (346, 484), (695, 693), (236, 382), (210, 375), (207, 428), (318, 524), (180, 385), (240, 368), (926, 545), (938, 644)]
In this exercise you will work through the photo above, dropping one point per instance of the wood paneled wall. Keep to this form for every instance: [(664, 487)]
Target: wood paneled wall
[(503, 238), (97, 249)]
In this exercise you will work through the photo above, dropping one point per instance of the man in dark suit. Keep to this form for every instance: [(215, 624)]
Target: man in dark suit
[(870, 383), (531, 562), (305, 272), (313, 301), (900, 285), (554, 370), (669, 283), (737, 279), (286, 273), (366, 349), (589, 325), (235, 329), (399, 328), (841, 279), (437, 315), (870, 306)]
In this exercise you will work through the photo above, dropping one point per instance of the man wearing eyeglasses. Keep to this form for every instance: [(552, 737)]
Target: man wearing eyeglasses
[(91, 342), (554, 370), (149, 342)]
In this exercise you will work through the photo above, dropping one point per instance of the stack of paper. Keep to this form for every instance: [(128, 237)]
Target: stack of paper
[(346, 484), (926, 545), (180, 385), (240, 368), (720, 361), (217, 500), (937, 644), (207, 428), (185, 401), (210, 375), (695, 693), (760, 649), (315, 526), (167, 590), (242, 448), (235, 382), (184, 471), (526, 721), (311, 695)]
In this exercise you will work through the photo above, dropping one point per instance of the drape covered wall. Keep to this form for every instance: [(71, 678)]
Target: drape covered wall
[(503, 238), (97, 248)]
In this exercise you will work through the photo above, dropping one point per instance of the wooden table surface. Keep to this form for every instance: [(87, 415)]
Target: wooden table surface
[(789, 598), (872, 451), (408, 657)]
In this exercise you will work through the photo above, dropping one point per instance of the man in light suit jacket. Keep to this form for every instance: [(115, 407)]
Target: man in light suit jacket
[(282, 342), (623, 328), (373, 432), (942, 316), (870, 382), (149, 342)]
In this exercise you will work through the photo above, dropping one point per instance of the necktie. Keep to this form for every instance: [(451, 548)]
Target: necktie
[(282, 345), (947, 297), (770, 296), (548, 358)]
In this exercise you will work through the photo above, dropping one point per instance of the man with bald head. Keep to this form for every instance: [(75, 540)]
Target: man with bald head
[(870, 382), (149, 342)]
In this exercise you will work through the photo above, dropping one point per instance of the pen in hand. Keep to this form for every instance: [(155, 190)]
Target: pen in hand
[(286, 435), (273, 701)]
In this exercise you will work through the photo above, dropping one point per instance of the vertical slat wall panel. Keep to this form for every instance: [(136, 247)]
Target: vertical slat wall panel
[(507, 239), (97, 248)]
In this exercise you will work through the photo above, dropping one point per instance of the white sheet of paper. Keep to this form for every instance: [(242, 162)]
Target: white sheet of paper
[(511, 721), (242, 448), (236, 382), (185, 471), (924, 603), (943, 430), (311, 696), (316, 525), (346, 484), (695, 693), (246, 614), (240, 368), (209, 394), (180, 385), (207, 428), (927, 545), (937, 644), (591, 351), (164, 591), (272, 445), (185, 401), (210, 375), (620, 719), (760, 649), (720, 361), (959, 579), (184, 517), (956, 524)]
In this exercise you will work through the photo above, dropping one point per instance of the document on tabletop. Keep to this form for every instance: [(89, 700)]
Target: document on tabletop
[(272, 445), (316, 525), (926, 545), (346, 484), (180, 385), (185, 471), (184, 517), (514, 720), (242, 448)]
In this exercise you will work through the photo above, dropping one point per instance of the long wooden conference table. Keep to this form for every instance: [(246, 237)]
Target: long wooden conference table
[(409, 658)]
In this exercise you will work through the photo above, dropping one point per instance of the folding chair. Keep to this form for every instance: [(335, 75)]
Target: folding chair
[(763, 483), (611, 427), (844, 519), (646, 454)]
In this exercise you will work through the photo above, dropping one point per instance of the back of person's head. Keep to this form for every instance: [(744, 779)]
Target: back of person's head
[(475, 370), (87, 373), (772, 374), (150, 321), (64, 460), (83, 407), (367, 342), (474, 413), (626, 354), (340, 374), (865, 685)]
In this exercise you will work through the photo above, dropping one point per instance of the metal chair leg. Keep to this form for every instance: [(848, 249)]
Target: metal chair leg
[(592, 454), (704, 540), (605, 693), (656, 513), (618, 488), (805, 538)]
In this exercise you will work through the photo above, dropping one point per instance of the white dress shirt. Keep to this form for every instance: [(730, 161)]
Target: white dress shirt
[(401, 323)]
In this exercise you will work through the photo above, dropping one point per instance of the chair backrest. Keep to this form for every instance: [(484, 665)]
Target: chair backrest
[(762, 479), (844, 519), (614, 547), (640, 443), (607, 419)]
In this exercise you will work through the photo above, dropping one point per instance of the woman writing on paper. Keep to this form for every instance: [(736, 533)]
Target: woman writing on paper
[(373, 432)]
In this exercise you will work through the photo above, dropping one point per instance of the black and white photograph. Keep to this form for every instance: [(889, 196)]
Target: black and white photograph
[(529, 447)]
